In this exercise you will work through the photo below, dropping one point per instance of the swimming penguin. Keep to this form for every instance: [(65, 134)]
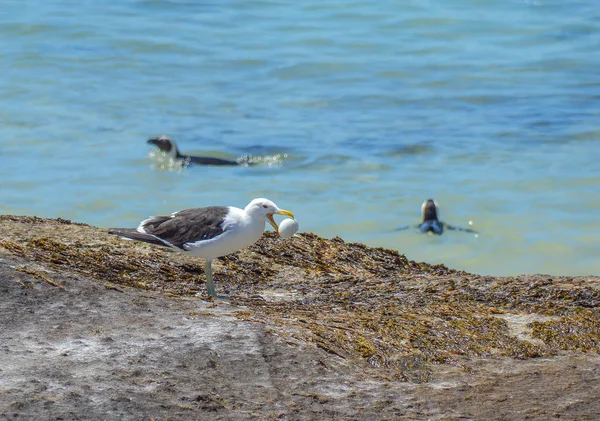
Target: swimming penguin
[(169, 147), (431, 224)]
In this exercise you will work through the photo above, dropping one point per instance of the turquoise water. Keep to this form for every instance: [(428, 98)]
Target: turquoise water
[(360, 110)]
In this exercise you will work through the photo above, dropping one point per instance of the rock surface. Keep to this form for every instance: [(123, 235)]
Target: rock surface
[(97, 328)]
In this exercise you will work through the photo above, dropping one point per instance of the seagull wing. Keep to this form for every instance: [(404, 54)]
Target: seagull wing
[(187, 226)]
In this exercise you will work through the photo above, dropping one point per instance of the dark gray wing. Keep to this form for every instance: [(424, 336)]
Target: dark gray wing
[(133, 234), (187, 226), (453, 228)]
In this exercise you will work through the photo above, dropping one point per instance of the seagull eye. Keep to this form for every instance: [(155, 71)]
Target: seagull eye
[(265, 206)]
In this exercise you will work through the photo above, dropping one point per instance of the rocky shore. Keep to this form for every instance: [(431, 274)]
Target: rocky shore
[(97, 328)]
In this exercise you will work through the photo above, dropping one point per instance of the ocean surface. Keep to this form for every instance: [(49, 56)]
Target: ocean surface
[(356, 112)]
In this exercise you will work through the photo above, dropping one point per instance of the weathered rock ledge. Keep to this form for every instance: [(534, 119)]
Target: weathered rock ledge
[(97, 328)]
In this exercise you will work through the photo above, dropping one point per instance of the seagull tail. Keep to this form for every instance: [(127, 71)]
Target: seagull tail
[(134, 234)]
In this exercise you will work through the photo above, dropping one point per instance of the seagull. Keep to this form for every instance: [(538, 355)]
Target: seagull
[(169, 147), (207, 232), (431, 224)]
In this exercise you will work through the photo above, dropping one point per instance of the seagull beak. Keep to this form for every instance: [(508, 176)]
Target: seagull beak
[(151, 141), (285, 212), (279, 212)]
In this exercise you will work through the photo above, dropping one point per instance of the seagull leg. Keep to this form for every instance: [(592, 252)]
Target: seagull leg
[(210, 286)]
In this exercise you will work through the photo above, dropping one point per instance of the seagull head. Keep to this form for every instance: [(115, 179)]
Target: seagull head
[(265, 209)]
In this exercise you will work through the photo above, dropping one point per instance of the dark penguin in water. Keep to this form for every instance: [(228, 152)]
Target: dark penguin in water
[(169, 147), (431, 224)]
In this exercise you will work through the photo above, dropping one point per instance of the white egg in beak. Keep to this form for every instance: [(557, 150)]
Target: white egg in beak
[(288, 227)]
